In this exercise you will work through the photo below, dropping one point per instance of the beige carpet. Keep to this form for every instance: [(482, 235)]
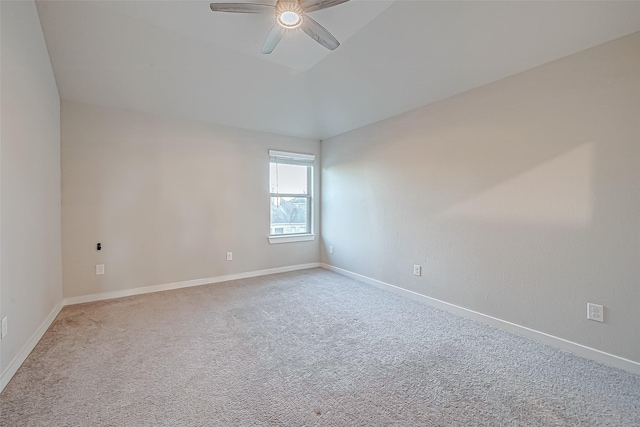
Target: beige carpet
[(302, 348)]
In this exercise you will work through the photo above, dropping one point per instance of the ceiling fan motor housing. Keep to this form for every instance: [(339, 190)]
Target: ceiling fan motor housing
[(289, 13)]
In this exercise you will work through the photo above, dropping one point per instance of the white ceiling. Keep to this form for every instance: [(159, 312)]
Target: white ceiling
[(178, 58)]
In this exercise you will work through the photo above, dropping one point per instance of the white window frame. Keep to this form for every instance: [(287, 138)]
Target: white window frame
[(289, 158)]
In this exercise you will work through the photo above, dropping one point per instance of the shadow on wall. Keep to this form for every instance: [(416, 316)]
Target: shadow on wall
[(557, 193)]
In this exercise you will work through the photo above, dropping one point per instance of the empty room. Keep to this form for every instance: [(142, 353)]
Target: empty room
[(319, 213)]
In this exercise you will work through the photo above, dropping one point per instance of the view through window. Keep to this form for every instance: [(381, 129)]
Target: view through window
[(290, 176)]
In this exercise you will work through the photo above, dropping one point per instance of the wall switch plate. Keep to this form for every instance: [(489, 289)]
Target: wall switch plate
[(229, 256), (595, 312), (417, 270), (5, 327), (330, 249), (99, 269)]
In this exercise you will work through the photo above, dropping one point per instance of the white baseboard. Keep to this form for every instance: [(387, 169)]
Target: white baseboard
[(185, 284), (17, 361), (579, 349), (560, 343)]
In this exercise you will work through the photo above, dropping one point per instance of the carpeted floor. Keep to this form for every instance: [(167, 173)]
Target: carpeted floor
[(296, 349)]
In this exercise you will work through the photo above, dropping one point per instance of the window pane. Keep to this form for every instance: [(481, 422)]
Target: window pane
[(288, 179), (289, 215)]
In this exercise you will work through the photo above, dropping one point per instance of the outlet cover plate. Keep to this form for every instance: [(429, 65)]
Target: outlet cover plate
[(595, 312), (99, 269), (417, 270), (5, 327)]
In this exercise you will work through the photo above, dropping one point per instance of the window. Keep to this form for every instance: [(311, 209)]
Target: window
[(290, 183)]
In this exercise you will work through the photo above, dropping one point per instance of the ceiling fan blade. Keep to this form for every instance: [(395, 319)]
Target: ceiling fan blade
[(273, 38), (312, 5), (243, 7), (319, 33)]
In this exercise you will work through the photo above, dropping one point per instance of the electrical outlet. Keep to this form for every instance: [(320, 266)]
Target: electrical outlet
[(330, 249), (5, 327), (99, 269), (595, 312), (417, 270), (229, 256)]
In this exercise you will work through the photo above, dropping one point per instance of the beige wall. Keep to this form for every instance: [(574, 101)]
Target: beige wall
[(30, 278), (520, 199), (167, 199)]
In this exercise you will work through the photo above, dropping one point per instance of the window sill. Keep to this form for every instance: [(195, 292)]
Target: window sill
[(292, 238)]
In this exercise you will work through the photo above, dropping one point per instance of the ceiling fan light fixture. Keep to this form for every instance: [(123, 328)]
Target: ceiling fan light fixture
[(290, 19)]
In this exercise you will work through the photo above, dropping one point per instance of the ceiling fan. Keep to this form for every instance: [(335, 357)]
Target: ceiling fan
[(290, 14)]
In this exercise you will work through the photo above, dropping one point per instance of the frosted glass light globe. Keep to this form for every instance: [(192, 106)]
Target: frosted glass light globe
[(289, 19)]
